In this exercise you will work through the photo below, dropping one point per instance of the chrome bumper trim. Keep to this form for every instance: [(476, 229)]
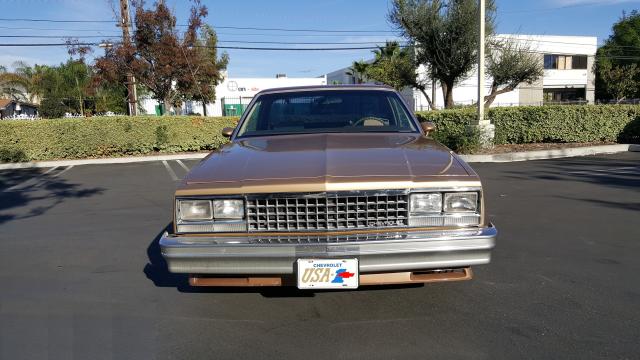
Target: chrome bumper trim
[(392, 251)]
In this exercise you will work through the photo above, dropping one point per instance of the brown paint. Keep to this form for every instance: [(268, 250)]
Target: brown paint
[(317, 162)]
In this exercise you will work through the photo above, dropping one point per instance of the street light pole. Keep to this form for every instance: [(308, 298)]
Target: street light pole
[(481, 64), (485, 129)]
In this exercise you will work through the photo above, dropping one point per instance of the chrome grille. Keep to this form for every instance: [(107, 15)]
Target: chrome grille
[(327, 212)]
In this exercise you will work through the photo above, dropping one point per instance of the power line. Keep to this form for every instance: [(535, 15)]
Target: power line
[(622, 57), (54, 36), (219, 47), (217, 27), (304, 30), (219, 41), (57, 21), (52, 29), (288, 35)]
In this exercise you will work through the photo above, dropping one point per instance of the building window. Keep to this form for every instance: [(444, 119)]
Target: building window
[(579, 62), (565, 62), (551, 61), (565, 96)]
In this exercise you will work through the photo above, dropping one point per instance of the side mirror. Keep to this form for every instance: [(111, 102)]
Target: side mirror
[(428, 127), (227, 132)]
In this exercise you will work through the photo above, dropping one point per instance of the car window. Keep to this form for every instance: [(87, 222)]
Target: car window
[(327, 111)]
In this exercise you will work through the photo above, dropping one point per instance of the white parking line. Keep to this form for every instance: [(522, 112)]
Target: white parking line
[(63, 171), (50, 170), (170, 170), (30, 182), (183, 165)]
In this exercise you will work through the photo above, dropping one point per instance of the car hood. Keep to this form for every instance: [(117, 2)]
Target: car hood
[(326, 158)]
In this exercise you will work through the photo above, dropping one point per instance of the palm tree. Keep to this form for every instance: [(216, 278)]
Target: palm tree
[(389, 50), (13, 85), (358, 70)]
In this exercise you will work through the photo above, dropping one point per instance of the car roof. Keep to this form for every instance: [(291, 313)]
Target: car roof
[(327, 87)]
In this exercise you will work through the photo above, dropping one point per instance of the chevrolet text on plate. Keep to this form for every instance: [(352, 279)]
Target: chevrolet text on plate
[(328, 187)]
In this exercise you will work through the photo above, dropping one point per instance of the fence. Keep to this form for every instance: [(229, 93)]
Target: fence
[(471, 103), (235, 106)]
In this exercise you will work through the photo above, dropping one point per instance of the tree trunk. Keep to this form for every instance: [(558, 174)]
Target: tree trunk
[(428, 98), (204, 108), (447, 92), (166, 105), (488, 100)]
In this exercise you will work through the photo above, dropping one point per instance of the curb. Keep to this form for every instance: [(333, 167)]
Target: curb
[(551, 154), (122, 160), (509, 157)]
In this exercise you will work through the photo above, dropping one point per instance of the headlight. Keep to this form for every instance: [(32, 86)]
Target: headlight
[(228, 209), (426, 203), (195, 210), (460, 202)]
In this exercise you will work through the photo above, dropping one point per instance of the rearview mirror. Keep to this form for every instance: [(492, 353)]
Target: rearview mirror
[(428, 127), (227, 132)]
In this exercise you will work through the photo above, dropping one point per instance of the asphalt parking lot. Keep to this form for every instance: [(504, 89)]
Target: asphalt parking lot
[(81, 276)]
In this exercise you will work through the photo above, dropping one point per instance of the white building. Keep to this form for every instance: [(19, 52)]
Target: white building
[(568, 75), (234, 94)]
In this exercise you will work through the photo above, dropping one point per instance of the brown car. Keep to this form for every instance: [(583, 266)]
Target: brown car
[(328, 187)]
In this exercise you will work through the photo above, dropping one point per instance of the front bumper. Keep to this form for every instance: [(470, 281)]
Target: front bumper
[(380, 252)]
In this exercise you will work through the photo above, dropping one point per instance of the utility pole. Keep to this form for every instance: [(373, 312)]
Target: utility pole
[(486, 129), (132, 94)]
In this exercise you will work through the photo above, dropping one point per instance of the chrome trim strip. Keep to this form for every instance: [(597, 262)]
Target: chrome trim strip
[(393, 237)]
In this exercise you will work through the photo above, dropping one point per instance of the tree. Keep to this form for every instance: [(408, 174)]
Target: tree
[(205, 69), (13, 84), (358, 70), (510, 65), (620, 80), (446, 36), (617, 57), (396, 66), (172, 66)]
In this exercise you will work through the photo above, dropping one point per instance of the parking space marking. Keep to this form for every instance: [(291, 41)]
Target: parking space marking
[(183, 165), (170, 170), (63, 171), (31, 181)]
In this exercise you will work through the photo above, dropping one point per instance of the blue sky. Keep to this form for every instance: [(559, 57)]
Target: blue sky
[(546, 17)]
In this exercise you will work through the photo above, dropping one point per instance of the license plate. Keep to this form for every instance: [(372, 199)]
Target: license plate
[(328, 273)]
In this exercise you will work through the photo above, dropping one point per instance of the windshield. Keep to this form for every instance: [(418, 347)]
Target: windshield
[(323, 111)]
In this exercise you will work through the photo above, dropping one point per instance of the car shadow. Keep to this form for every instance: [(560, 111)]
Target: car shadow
[(156, 270)]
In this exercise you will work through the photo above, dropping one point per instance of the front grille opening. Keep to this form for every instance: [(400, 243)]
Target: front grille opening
[(328, 212)]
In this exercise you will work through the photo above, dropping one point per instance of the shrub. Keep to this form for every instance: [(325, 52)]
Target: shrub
[(452, 128), (534, 124), (108, 136)]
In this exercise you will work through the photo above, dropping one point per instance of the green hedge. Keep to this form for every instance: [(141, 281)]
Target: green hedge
[(535, 124), (22, 140)]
